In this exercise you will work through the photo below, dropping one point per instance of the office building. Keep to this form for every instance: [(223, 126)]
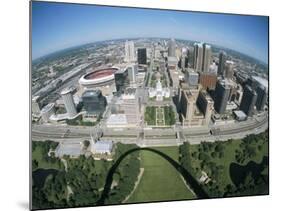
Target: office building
[(187, 107), (132, 73), (129, 105), (102, 147), (172, 62), (248, 100), (240, 115), (189, 113), (206, 106), (35, 106), (183, 63), (261, 97), (229, 72), (47, 111), (129, 51), (198, 57), (94, 102), (207, 56), (172, 48), (69, 102), (222, 93), (142, 56), (121, 80), (222, 59), (208, 80), (213, 68), (192, 78)]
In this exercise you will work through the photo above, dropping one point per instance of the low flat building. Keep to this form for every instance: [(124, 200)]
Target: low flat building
[(240, 115), (102, 147), (74, 150)]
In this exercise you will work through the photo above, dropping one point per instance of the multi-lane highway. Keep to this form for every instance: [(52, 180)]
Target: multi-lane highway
[(154, 137)]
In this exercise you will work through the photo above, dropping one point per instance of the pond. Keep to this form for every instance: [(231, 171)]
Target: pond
[(39, 176), (239, 172)]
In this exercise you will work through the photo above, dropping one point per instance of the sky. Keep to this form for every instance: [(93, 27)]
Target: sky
[(56, 26)]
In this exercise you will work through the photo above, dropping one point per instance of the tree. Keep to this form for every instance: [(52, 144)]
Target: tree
[(34, 164), (86, 144)]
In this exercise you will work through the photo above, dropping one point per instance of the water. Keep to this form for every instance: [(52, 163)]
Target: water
[(39, 176), (239, 172)]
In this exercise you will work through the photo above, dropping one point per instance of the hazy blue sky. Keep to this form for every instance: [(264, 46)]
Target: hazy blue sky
[(56, 26)]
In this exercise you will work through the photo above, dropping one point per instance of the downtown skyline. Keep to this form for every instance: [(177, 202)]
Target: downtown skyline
[(57, 26)]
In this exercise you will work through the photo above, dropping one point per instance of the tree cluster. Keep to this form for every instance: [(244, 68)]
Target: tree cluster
[(169, 115)]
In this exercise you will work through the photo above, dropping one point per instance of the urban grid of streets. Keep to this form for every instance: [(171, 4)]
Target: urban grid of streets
[(144, 135)]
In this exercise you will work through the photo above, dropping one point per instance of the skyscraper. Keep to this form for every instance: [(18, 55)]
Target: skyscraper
[(132, 73), (129, 51), (206, 106), (69, 102), (229, 69), (172, 48), (207, 56), (198, 57), (121, 80), (222, 93), (261, 97), (142, 56), (248, 100), (192, 78), (208, 80), (222, 58)]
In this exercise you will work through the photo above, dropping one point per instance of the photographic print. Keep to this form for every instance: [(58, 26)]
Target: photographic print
[(136, 105)]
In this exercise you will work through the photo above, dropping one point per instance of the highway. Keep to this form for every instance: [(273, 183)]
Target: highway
[(153, 137)]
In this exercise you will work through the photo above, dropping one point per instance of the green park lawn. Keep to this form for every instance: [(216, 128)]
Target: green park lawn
[(160, 181), (37, 155)]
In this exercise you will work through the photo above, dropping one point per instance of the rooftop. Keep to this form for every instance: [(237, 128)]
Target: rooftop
[(48, 107), (240, 114), (72, 149), (90, 93), (102, 146), (66, 90), (261, 81)]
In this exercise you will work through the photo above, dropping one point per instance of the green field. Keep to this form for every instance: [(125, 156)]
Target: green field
[(38, 154), (160, 181)]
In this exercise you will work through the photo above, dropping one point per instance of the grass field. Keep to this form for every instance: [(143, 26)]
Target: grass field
[(160, 181), (38, 156)]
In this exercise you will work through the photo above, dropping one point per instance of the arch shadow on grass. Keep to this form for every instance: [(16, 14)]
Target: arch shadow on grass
[(189, 179)]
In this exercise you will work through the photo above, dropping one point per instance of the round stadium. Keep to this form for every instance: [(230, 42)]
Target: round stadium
[(98, 77)]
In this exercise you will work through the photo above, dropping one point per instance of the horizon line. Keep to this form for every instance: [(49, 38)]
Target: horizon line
[(130, 38)]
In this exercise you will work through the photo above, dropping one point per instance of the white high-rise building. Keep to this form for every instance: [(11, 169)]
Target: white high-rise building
[(198, 56), (172, 48), (69, 102), (129, 51), (207, 57), (229, 65), (132, 73)]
